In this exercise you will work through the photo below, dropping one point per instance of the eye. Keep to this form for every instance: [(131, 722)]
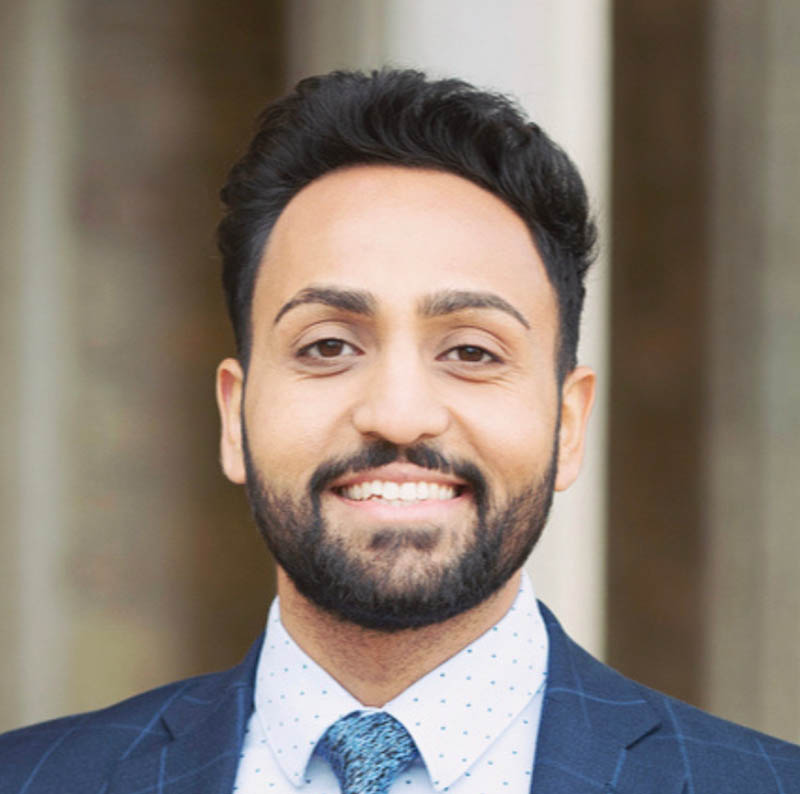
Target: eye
[(327, 348), (469, 354)]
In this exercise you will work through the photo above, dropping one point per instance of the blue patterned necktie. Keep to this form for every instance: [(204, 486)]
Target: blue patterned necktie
[(367, 751)]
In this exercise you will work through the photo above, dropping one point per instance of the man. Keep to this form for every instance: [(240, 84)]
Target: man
[(404, 264)]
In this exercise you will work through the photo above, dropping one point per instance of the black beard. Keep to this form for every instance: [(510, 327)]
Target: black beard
[(325, 572)]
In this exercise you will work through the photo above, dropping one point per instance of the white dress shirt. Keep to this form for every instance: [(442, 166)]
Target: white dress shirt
[(474, 718)]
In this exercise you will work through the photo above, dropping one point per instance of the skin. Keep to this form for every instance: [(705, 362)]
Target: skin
[(478, 383)]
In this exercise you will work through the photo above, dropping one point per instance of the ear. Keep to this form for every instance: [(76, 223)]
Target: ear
[(577, 397), (230, 388)]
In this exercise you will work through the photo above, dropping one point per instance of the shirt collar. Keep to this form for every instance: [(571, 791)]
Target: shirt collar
[(296, 700), (463, 705)]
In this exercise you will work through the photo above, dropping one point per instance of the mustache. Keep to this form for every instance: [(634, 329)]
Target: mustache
[(381, 453)]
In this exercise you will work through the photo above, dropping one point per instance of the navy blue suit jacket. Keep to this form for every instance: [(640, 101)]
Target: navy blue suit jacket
[(601, 733)]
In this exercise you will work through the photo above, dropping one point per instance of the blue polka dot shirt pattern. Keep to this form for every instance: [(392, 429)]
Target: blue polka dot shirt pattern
[(474, 719)]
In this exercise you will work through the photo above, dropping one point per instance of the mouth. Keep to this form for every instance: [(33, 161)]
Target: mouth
[(399, 494), (400, 486)]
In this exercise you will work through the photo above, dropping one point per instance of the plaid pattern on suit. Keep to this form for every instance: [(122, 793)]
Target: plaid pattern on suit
[(600, 734)]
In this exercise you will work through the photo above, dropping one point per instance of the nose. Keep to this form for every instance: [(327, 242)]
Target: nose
[(400, 403)]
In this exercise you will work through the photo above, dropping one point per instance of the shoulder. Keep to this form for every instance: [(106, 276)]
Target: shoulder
[(79, 752), (658, 732), (713, 749)]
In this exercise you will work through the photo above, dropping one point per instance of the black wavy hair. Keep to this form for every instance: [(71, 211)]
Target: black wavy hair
[(400, 117)]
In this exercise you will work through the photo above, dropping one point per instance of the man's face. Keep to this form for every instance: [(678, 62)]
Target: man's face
[(401, 406)]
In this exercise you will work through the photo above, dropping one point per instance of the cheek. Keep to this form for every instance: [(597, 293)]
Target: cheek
[(289, 425), (512, 434)]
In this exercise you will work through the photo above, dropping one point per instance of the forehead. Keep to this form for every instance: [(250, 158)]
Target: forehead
[(401, 233)]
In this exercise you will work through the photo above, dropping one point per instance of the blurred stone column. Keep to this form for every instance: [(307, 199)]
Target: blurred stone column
[(753, 661), (38, 351), (554, 58), (127, 559), (704, 568), (659, 311)]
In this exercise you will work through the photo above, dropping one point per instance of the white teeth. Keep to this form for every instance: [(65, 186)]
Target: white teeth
[(399, 492), (408, 491), (391, 491), (441, 491)]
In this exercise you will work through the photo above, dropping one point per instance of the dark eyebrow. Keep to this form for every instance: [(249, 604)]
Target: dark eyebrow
[(349, 300), (449, 301)]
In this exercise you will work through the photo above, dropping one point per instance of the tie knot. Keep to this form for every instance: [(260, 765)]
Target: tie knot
[(367, 751)]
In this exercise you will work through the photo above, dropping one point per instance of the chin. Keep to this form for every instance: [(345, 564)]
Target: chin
[(412, 566)]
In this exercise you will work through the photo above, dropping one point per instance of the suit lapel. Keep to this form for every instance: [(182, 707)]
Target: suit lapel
[(206, 719), (592, 720)]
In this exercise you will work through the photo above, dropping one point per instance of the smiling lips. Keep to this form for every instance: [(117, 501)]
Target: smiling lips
[(405, 492), (399, 484)]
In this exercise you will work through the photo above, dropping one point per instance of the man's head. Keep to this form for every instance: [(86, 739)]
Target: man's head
[(400, 118), (401, 421)]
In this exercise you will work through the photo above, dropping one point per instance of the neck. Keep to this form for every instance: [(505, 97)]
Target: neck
[(377, 666)]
